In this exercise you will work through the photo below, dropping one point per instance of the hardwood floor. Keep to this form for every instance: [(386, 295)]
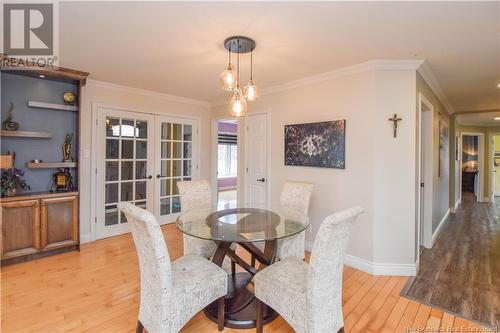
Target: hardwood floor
[(461, 273), (97, 290)]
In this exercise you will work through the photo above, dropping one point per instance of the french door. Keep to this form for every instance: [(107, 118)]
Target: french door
[(140, 159), (175, 162)]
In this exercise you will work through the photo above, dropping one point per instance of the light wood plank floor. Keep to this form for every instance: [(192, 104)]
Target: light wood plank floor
[(97, 290)]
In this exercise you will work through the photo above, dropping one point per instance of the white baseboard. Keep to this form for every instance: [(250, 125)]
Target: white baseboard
[(440, 226), (453, 210), (85, 238), (374, 268)]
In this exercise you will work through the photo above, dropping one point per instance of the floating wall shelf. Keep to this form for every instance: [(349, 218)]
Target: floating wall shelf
[(52, 106), (27, 134), (51, 165)]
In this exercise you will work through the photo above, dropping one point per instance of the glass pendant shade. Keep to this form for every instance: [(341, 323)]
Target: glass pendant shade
[(228, 79), (238, 104), (251, 91)]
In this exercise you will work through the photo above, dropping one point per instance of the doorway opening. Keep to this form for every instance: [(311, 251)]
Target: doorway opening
[(472, 165), (426, 173), (227, 163)]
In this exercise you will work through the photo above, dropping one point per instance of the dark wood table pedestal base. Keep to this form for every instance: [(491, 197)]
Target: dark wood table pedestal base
[(240, 302)]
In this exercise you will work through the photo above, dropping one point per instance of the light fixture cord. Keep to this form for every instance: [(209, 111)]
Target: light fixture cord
[(251, 66), (238, 65), (229, 53)]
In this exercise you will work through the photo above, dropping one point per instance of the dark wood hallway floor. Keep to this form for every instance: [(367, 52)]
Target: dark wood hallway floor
[(461, 273)]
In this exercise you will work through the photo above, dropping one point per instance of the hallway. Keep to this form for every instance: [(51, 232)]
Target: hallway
[(461, 273)]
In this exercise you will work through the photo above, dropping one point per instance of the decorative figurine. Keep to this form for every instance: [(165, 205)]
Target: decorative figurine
[(66, 148), (395, 120), (63, 182), (69, 98), (9, 124)]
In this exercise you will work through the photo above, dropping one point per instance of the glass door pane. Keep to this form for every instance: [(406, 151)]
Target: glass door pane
[(127, 162), (175, 153)]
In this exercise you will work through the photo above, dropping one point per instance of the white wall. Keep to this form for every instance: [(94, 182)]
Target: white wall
[(131, 99), (380, 170)]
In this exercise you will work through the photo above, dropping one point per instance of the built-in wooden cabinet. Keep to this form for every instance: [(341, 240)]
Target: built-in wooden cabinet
[(20, 228), (59, 222), (38, 224)]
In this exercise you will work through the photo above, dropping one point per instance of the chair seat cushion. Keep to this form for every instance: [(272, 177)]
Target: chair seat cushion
[(282, 286), (196, 283)]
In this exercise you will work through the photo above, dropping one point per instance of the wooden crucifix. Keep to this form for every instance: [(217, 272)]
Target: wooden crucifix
[(395, 120)]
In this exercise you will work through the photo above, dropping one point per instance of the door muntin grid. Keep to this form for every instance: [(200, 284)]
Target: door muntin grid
[(176, 163), (126, 166)]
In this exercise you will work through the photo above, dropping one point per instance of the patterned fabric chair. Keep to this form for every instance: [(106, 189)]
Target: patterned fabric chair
[(171, 293), (294, 202), (309, 296), (196, 196)]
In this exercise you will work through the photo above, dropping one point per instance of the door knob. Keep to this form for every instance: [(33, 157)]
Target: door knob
[(158, 176), (149, 177), (261, 180)]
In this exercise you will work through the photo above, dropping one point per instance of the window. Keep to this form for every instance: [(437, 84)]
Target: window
[(227, 165)]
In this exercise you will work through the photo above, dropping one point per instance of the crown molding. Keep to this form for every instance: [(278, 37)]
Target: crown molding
[(148, 93), (380, 64), (426, 72)]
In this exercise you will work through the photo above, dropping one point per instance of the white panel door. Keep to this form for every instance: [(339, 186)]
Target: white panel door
[(125, 164), (176, 160), (256, 147)]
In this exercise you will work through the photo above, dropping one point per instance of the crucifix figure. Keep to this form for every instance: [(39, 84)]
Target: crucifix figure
[(395, 120)]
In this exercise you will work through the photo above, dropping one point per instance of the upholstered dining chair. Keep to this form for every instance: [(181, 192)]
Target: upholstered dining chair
[(196, 195), (294, 202), (171, 293), (309, 295)]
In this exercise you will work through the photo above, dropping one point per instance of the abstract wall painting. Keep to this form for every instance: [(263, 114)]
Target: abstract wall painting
[(443, 149), (319, 144)]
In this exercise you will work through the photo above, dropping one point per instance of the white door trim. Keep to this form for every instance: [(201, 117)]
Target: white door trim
[(267, 113), (492, 165), (427, 180), (93, 154), (214, 162), (480, 167)]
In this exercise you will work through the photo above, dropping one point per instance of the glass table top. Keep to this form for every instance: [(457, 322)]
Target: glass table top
[(241, 225)]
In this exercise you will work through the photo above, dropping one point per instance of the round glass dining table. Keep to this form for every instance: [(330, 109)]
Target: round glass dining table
[(247, 227)]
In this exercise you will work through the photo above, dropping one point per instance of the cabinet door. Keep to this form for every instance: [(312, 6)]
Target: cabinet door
[(59, 222), (20, 228)]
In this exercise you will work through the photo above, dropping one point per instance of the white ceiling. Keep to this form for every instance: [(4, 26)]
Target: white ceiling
[(479, 119), (176, 48)]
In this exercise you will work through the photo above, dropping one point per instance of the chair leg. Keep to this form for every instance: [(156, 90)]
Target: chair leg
[(252, 263), (220, 317), (233, 267), (260, 316), (139, 328)]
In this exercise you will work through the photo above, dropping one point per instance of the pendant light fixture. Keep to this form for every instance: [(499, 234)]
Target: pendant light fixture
[(228, 77), (251, 90), (238, 104), (230, 80)]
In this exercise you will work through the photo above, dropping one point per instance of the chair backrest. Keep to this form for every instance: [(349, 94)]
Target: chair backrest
[(155, 268), (324, 282), (295, 198), (195, 194)]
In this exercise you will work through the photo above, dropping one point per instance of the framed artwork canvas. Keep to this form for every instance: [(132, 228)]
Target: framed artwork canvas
[(319, 144), (443, 148)]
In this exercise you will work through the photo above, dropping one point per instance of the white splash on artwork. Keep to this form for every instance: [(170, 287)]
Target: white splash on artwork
[(311, 145)]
